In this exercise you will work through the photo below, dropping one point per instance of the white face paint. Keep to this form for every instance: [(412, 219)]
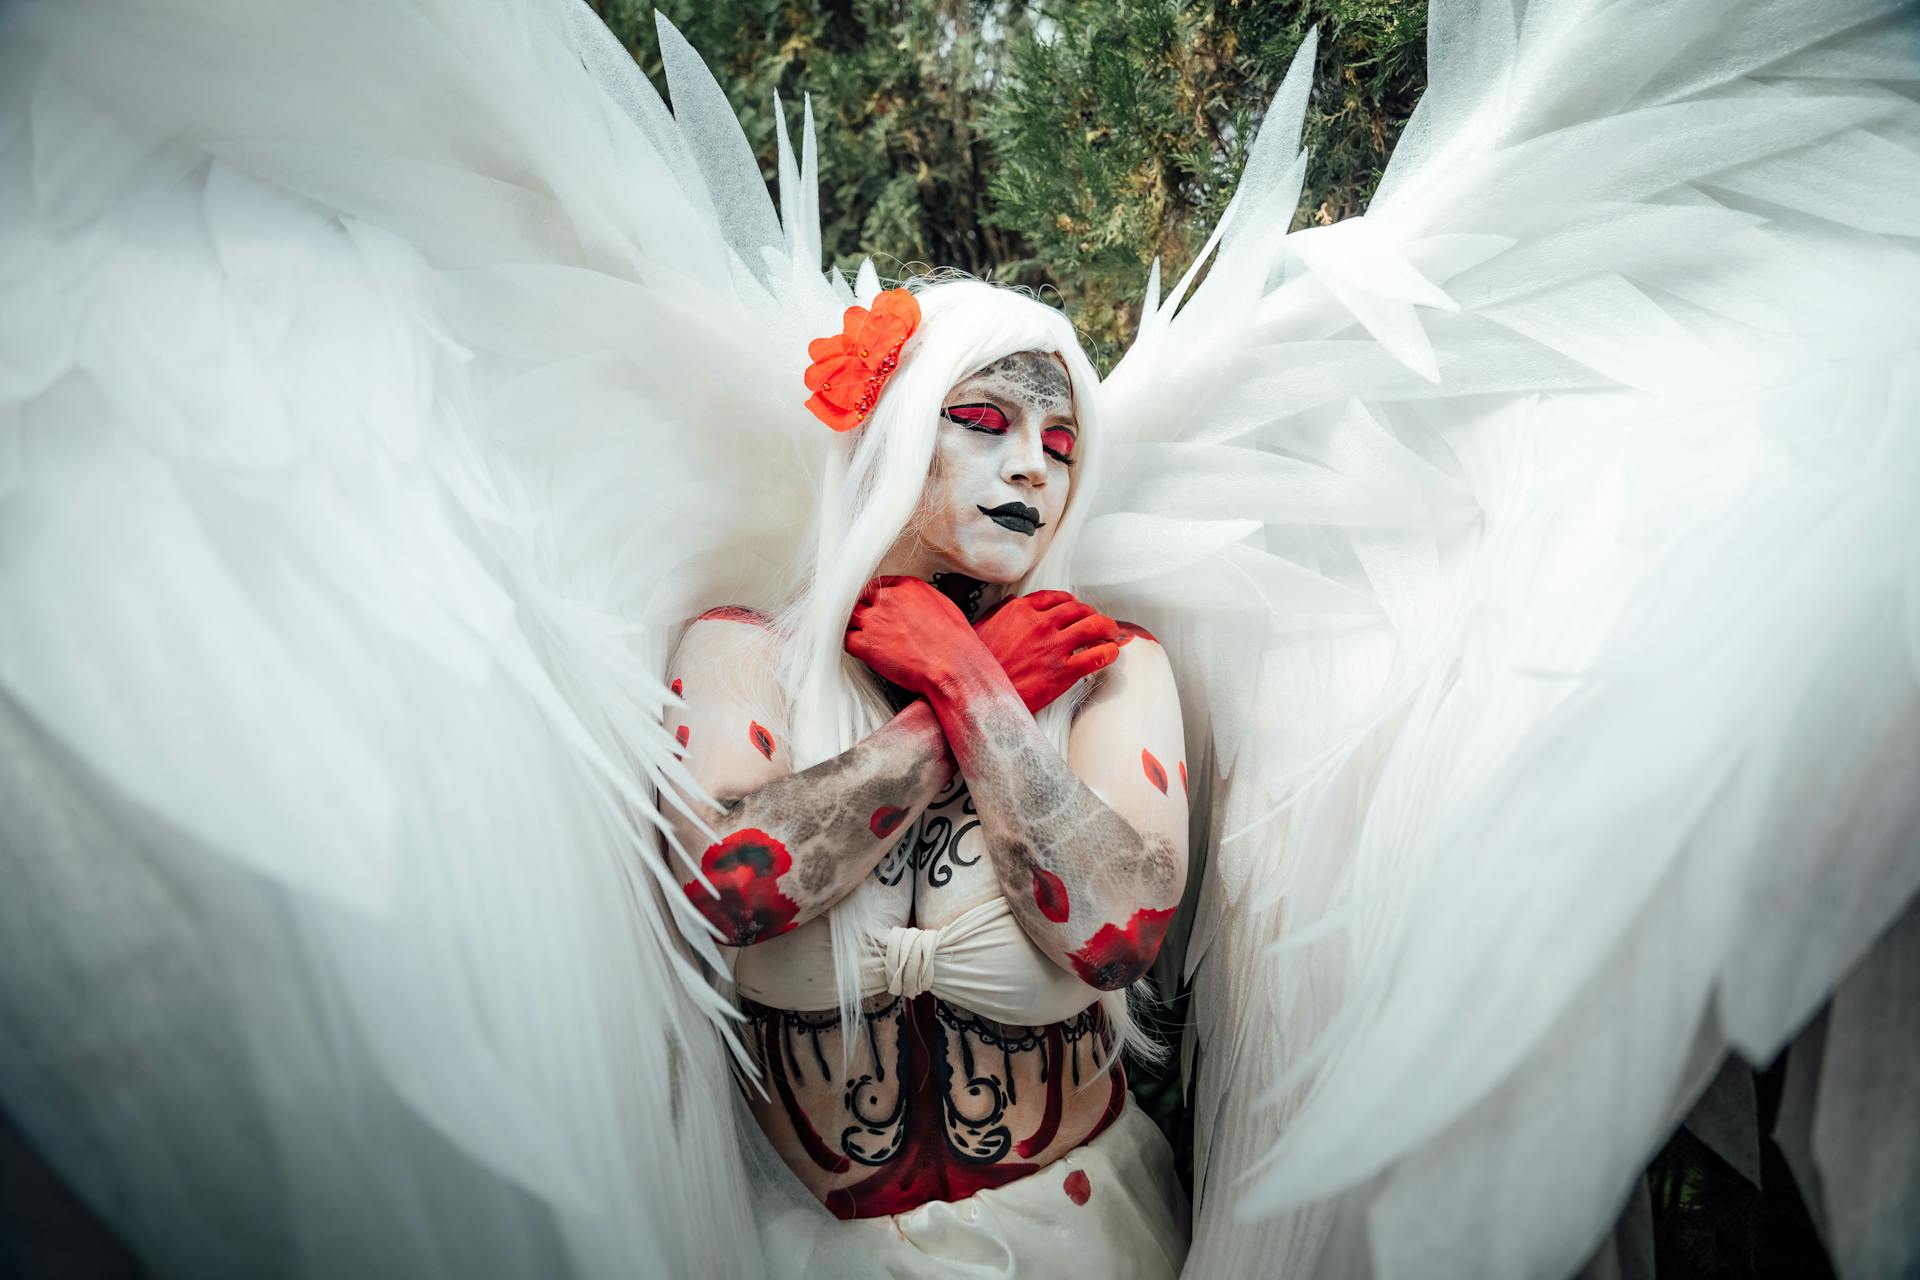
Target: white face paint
[(1002, 467)]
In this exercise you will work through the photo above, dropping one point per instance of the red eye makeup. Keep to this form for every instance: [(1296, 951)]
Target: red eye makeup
[(1057, 441), (983, 417)]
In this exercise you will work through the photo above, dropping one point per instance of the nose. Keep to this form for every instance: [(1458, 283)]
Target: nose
[(1025, 461)]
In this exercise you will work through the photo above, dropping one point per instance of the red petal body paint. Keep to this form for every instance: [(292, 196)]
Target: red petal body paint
[(762, 740), (1114, 957), (733, 613), (1078, 1186), (745, 869), (886, 820), (1050, 895), (681, 734), (676, 688), (1130, 631), (1156, 772), (1183, 777)]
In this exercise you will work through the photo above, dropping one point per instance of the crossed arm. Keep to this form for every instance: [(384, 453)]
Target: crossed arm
[(792, 844), (1089, 850)]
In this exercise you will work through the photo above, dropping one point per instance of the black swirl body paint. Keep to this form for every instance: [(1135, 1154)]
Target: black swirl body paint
[(933, 1124), (932, 850)]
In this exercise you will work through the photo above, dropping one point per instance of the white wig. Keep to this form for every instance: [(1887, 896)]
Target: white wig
[(870, 492), (873, 485)]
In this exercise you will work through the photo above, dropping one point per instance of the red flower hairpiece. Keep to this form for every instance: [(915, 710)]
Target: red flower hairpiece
[(851, 368)]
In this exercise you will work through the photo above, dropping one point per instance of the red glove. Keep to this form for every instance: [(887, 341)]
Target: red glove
[(909, 633), (1046, 641)]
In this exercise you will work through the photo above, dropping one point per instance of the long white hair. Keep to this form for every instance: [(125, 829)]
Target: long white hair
[(870, 491), (872, 488)]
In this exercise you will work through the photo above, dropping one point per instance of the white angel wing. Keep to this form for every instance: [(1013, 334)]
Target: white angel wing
[(383, 384), (1539, 555)]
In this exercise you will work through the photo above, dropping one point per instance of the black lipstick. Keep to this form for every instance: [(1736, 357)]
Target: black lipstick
[(1017, 516)]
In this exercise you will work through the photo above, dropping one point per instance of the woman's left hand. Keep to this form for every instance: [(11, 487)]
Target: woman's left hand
[(1046, 642)]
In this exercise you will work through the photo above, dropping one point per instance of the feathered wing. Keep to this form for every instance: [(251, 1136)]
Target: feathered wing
[(383, 384), (1538, 553)]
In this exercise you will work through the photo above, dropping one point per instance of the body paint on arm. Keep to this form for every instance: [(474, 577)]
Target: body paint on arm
[(1093, 892), (776, 848)]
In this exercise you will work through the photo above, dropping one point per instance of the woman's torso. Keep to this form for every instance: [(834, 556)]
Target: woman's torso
[(930, 1101)]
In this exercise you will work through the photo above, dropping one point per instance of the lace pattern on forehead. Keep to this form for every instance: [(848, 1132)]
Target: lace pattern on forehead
[(1030, 375)]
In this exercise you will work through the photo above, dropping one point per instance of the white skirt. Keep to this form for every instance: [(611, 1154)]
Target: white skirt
[(1111, 1208)]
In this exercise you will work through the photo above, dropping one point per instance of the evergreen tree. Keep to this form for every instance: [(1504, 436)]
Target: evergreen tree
[(1057, 144), (898, 93), (1126, 123)]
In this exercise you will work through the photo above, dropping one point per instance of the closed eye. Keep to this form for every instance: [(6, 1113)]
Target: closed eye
[(979, 417), (1058, 441)]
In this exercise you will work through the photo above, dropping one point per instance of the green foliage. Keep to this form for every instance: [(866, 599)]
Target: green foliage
[(1127, 123), (897, 90), (1058, 144)]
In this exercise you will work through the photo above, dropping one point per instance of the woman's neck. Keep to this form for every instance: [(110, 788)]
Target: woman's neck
[(968, 593), (911, 559)]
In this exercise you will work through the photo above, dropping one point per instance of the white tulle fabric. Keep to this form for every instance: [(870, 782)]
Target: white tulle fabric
[(981, 960), (1539, 557)]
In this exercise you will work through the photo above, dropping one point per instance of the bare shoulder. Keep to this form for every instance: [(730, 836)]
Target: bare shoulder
[(736, 613), (1128, 741), (726, 711), (729, 653), (1139, 672), (725, 634)]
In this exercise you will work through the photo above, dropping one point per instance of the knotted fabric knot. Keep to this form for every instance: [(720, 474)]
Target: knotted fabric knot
[(909, 960)]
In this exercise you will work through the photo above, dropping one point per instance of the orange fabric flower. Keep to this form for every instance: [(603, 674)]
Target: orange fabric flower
[(851, 368)]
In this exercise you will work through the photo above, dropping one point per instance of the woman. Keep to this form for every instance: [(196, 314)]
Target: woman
[(999, 852)]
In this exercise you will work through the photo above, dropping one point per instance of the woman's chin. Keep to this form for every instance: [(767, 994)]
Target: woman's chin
[(998, 566)]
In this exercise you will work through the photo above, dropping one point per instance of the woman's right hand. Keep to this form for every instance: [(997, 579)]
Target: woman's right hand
[(907, 632)]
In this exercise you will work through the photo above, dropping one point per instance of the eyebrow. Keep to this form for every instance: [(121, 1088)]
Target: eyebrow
[(1006, 403), (976, 404)]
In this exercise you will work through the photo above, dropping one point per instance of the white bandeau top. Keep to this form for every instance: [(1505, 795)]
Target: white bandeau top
[(981, 961)]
